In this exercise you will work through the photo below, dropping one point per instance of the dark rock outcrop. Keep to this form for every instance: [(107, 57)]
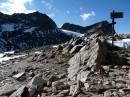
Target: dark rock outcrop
[(103, 26)]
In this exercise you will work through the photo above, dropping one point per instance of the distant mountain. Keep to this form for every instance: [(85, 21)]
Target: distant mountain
[(103, 26), (23, 31)]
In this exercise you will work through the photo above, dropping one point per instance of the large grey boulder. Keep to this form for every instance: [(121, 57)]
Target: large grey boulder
[(36, 84), (21, 92), (7, 89)]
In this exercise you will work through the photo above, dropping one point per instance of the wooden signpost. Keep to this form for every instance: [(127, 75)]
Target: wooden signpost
[(115, 15)]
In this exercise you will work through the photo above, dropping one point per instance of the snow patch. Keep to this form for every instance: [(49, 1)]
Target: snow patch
[(30, 30), (124, 43), (9, 53), (55, 46), (72, 33), (2, 55), (38, 52), (4, 59)]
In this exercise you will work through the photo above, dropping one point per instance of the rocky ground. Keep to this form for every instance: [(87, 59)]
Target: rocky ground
[(82, 67)]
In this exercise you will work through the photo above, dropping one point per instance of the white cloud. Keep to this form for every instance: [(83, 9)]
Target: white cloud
[(80, 8), (51, 15), (47, 4), (86, 16), (68, 12), (15, 6)]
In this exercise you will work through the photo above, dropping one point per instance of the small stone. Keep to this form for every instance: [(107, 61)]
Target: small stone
[(115, 94), (57, 83), (61, 76), (53, 78), (49, 83), (47, 89), (107, 93), (106, 68), (86, 85), (43, 95), (63, 93), (19, 76), (106, 83)]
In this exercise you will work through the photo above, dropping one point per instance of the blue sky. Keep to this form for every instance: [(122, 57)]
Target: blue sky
[(81, 12)]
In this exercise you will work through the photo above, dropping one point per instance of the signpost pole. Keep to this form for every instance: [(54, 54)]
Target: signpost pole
[(113, 23), (115, 15)]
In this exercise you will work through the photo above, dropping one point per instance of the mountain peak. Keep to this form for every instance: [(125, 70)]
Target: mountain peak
[(105, 26)]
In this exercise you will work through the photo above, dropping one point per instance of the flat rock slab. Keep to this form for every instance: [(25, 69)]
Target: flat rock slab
[(18, 75), (7, 89)]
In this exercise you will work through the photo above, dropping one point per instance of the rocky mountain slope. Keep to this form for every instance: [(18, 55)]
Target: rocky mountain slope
[(24, 31), (86, 66)]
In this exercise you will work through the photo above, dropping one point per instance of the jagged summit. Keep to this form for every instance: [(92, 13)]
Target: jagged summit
[(23, 31), (31, 19)]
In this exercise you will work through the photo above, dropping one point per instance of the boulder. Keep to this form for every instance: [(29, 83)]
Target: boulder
[(7, 89), (21, 92), (107, 93), (92, 58), (20, 76), (36, 84)]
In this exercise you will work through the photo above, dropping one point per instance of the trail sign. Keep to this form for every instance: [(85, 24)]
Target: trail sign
[(117, 14)]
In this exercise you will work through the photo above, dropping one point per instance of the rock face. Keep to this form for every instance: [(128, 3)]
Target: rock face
[(23, 31), (85, 59), (92, 59)]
